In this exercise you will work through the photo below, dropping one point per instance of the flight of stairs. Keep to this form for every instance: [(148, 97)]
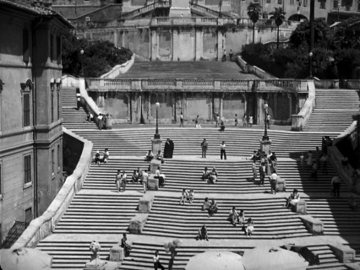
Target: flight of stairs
[(234, 176), (333, 110), (73, 118), (136, 142)]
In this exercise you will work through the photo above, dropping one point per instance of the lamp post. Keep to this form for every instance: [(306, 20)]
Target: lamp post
[(310, 65), (157, 135), (82, 62), (266, 110)]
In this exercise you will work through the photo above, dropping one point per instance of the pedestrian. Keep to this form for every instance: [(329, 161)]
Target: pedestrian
[(251, 120), (254, 170), (118, 180), (197, 122), (144, 180), (123, 181), (204, 147), (262, 174), (222, 126), (125, 245), (217, 119), (273, 181), (167, 149), (157, 262), (236, 120), (336, 184), (97, 158), (323, 163), (309, 159), (184, 196), (181, 119), (78, 99), (314, 171), (231, 55), (223, 150), (245, 122)]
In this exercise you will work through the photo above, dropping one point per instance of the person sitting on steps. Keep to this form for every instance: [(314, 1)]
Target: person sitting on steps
[(293, 199), (233, 216), (205, 174), (206, 204), (202, 234), (213, 208), (149, 156), (184, 196), (213, 176), (249, 227)]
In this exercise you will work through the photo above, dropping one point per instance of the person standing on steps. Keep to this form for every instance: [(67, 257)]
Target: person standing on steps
[(336, 184), (236, 120), (181, 119), (223, 150), (157, 262), (204, 147)]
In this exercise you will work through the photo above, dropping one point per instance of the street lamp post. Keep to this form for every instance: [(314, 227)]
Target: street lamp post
[(310, 65), (157, 135), (82, 62), (266, 110)]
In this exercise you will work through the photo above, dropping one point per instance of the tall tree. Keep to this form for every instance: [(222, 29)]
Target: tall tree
[(254, 10), (278, 16)]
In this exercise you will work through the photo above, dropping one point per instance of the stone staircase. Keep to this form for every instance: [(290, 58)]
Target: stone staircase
[(234, 176), (240, 142), (92, 213), (336, 215), (73, 118), (272, 220), (333, 110)]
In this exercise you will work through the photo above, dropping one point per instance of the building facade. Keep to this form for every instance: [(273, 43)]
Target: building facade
[(30, 110)]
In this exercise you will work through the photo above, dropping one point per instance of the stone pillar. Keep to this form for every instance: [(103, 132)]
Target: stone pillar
[(220, 48), (221, 105), (122, 39), (175, 43), (265, 145), (129, 108), (260, 115), (198, 43), (156, 145), (290, 104), (115, 38), (154, 44)]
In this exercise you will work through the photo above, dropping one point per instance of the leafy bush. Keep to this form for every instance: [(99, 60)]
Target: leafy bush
[(98, 58)]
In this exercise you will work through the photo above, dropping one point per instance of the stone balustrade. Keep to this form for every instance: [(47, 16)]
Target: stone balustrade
[(298, 121), (43, 226), (345, 254), (138, 85)]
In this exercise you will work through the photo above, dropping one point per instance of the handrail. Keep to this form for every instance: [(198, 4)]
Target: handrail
[(44, 225)]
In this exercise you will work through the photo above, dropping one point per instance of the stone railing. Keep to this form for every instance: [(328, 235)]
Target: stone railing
[(44, 225), (119, 69), (210, 85), (298, 121), (254, 69), (159, 21), (337, 83), (69, 81)]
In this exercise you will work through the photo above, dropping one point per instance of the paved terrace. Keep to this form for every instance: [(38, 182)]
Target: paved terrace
[(187, 70)]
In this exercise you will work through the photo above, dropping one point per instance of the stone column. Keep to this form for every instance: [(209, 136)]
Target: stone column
[(220, 48), (221, 105), (175, 44), (290, 104), (198, 43), (115, 38), (260, 109), (154, 44)]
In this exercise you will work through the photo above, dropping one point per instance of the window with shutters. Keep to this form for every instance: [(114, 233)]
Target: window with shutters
[(59, 157), (26, 109), (28, 215), (27, 169)]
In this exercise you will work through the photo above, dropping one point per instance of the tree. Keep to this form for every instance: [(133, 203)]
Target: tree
[(278, 15), (254, 10), (98, 58), (301, 36)]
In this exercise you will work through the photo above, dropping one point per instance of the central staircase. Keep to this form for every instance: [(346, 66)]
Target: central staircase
[(99, 212)]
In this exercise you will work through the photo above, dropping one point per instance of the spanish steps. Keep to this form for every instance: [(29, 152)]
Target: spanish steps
[(99, 212), (333, 109)]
